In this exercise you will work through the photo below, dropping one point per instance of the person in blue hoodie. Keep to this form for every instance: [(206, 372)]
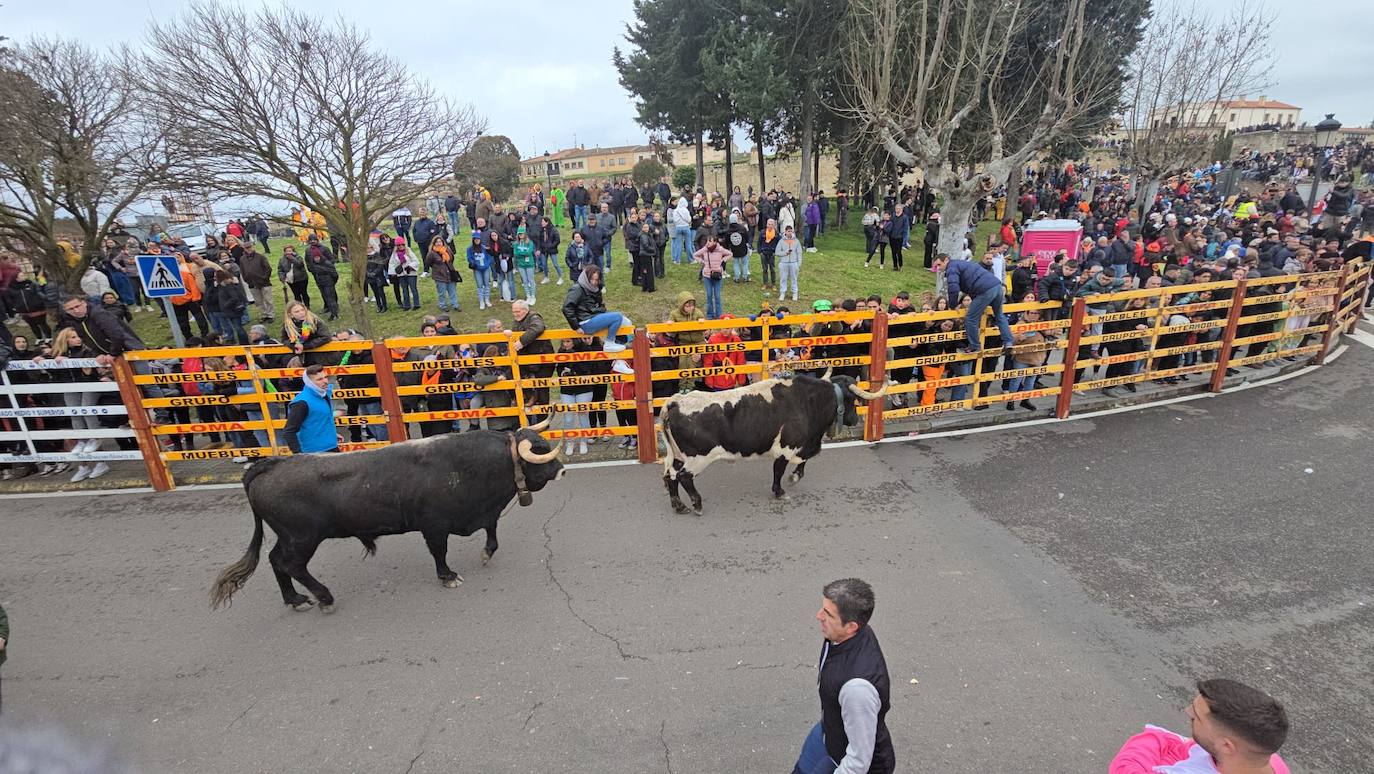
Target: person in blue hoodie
[(310, 416), (479, 260), (983, 289)]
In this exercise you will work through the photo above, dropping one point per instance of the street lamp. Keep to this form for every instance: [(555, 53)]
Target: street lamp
[(548, 174), (1325, 138)]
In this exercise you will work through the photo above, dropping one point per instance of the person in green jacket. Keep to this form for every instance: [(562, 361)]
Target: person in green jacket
[(524, 262), (557, 201), (4, 642)]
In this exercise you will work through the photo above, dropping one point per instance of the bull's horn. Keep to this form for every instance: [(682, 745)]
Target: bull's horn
[(865, 394), (542, 426), (825, 377), (526, 449)]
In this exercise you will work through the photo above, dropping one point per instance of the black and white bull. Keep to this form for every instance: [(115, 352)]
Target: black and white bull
[(781, 418), (449, 484)]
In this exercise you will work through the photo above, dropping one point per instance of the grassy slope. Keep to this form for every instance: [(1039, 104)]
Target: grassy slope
[(836, 271)]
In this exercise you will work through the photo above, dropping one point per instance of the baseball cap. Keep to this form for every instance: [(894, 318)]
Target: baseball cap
[(822, 305)]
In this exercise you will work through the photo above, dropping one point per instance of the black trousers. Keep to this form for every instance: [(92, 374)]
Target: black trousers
[(300, 291), (328, 293), (896, 254), (191, 309)]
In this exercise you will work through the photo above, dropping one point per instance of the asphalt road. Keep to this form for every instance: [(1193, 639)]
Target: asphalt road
[(1042, 593)]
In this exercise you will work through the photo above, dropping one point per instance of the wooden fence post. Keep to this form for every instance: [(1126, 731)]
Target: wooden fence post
[(644, 397), (1335, 323), (1227, 336), (1068, 377), (158, 474), (386, 388), (877, 377)]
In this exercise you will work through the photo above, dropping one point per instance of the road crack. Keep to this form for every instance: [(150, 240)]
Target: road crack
[(567, 597), (530, 716), (667, 754), (241, 715)]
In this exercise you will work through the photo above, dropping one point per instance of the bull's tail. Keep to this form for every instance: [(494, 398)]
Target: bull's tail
[(669, 446), (232, 578)]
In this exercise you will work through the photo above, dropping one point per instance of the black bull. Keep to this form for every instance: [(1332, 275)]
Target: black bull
[(782, 418), (449, 484)]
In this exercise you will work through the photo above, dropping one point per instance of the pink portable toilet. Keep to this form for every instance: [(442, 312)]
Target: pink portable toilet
[(1045, 238)]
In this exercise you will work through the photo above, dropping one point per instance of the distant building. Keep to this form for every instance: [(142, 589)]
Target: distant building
[(609, 162), (1226, 117)]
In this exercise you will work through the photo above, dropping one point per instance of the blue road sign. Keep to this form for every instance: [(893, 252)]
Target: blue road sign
[(161, 276)]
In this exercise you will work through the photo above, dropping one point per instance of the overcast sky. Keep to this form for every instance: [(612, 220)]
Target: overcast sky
[(541, 71)]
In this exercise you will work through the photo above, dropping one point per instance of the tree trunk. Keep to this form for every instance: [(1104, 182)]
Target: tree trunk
[(816, 168), (701, 158), (955, 211), (357, 281), (807, 140), (846, 161), (1014, 179), (729, 164), (758, 145)]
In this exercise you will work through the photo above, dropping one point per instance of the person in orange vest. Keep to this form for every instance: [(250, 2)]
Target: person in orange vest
[(719, 359), (189, 304)]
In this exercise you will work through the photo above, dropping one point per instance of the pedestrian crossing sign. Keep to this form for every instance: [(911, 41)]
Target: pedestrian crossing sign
[(161, 276)]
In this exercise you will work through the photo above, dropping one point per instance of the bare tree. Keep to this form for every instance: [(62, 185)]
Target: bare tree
[(75, 142), (936, 85), (1187, 68), (308, 112)]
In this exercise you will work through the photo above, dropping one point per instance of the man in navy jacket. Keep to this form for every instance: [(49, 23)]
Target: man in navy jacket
[(983, 287)]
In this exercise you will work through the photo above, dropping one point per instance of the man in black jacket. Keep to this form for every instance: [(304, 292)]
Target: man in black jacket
[(853, 682), (108, 335)]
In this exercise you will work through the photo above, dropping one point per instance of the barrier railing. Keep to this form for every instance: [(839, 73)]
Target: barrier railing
[(42, 399), (397, 388)]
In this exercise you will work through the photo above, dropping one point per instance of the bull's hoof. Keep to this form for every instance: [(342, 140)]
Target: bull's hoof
[(454, 582), (794, 478), (696, 508), (779, 495), (486, 556), (301, 607), (327, 608), (679, 506)]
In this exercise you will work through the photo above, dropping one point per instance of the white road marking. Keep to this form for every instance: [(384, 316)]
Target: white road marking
[(1364, 337)]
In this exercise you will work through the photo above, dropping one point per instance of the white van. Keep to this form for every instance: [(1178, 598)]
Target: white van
[(193, 234)]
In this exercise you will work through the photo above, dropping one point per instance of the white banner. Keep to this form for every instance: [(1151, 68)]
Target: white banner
[(65, 411), (67, 434), (53, 365), (86, 457)]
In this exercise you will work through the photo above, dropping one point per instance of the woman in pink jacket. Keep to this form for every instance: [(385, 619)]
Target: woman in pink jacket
[(714, 260)]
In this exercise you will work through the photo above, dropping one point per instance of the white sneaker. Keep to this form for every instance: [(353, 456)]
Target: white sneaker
[(544, 281), (582, 448), (560, 281), (568, 448), (99, 470), (239, 460), (530, 300), (810, 249), (81, 473), (612, 346), (794, 296), (780, 297)]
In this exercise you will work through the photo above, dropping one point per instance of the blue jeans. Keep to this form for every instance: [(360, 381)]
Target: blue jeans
[(962, 368), (482, 278), (974, 320), (410, 291), (606, 253), (374, 409), (713, 309), (527, 281), (682, 243), (607, 321), (741, 267), (1019, 383), (448, 294), (580, 216), (453, 229), (544, 262), (813, 758)]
